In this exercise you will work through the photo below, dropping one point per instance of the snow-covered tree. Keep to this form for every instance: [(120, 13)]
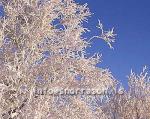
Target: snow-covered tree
[(133, 103), (42, 46)]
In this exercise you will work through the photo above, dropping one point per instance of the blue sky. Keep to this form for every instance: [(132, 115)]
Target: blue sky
[(131, 19)]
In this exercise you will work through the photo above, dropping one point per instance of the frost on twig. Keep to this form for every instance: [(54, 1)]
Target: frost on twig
[(107, 36)]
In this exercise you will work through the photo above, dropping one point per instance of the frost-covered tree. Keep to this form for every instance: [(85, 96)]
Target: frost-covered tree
[(41, 45), (133, 103)]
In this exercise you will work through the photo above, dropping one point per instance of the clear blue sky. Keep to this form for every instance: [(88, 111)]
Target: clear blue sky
[(131, 19)]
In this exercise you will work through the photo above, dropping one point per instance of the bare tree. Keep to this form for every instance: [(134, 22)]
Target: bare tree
[(41, 45)]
